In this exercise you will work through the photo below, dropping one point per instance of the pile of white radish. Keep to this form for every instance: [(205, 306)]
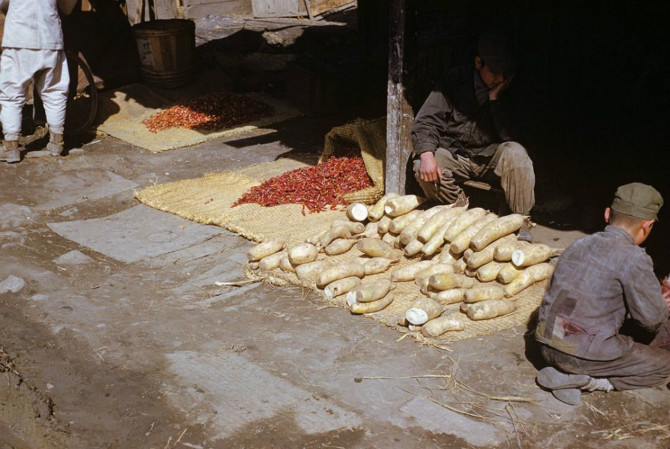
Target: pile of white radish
[(450, 254)]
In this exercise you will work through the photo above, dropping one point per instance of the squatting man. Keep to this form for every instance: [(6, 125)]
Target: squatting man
[(598, 281), (462, 132)]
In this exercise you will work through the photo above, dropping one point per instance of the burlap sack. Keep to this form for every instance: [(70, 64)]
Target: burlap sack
[(369, 136)]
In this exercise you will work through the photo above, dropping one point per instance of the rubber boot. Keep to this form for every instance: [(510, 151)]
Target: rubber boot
[(10, 151), (55, 145)]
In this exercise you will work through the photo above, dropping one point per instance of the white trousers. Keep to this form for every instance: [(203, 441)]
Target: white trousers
[(48, 69)]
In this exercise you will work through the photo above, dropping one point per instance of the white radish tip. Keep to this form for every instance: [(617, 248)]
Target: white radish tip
[(416, 316), (518, 257), (351, 300)]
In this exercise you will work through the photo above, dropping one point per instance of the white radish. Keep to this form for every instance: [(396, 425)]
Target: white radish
[(503, 253), (302, 253), (422, 310), (501, 227), (489, 271), (451, 296), (487, 310), (338, 232), (341, 286), (398, 224), (463, 221), (408, 272), (377, 265), (436, 222), (437, 240), (371, 307), (421, 278), (285, 264), (376, 211), (402, 204), (442, 324), (410, 232), (446, 281), (371, 230), (485, 255), (339, 246), (507, 273), (369, 291), (353, 227), (272, 261), (309, 271), (265, 249), (484, 293), (383, 225), (528, 277), (357, 212), (315, 238), (339, 271), (413, 248), (462, 240), (532, 254), (377, 248)]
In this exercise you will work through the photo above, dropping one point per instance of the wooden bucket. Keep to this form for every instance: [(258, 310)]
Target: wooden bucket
[(167, 52)]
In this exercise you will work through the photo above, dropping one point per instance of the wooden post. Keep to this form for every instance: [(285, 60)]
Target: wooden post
[(398, 111)]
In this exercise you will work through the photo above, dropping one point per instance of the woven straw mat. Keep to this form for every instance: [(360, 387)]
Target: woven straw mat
[(125, 109), (208, 199)]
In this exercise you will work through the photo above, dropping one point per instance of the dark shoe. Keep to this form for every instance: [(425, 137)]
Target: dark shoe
[(570, 396), (10, 152), (524, 234), (552, 379)]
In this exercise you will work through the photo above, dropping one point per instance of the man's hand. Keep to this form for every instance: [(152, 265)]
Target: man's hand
[(497, 90), (429, 171)]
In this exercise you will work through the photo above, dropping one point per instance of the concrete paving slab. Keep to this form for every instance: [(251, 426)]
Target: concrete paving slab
[(240, 392), (83, 185), (138, 233)]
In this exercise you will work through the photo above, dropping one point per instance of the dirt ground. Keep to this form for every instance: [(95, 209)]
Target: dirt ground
[(134, 345)]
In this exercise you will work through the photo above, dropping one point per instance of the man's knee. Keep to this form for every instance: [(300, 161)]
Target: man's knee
[(515, 153)]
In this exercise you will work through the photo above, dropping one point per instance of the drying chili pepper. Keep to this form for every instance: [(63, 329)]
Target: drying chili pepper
[(208, 112), (316, 188)]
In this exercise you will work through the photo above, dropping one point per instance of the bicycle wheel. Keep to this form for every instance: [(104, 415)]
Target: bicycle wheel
[(82, 101)]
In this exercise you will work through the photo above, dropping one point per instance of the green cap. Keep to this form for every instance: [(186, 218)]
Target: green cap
[(638, 200)]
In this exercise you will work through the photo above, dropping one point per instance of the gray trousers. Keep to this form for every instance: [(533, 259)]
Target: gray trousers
[(642, 366), (510, 166)]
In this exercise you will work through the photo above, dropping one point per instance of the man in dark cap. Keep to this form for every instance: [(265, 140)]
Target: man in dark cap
[(598, 281), (460, 133)]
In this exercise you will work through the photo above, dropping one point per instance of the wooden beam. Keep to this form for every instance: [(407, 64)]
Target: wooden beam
[(398, 111)]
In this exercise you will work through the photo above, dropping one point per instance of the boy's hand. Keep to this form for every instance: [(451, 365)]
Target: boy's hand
[(429, 171)]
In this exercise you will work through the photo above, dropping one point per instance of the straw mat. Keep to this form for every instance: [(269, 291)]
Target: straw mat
[(123, 111), (208, 199)]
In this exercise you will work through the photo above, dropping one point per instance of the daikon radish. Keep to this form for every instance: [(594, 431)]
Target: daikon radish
[(422, 310), (446, 281), (370, 307), (357, 212), (377, 265), (285, 264), (484, 293), (503, 253), (410, 232), (492, 308), (413, 248), (532, 254), (338, 232), (309, 271), (265, 249), (302, 253), (489, 271), (501, 227), (354, 227), (442, 324), (528, 277), (383, 225), (484, 256), (469, 272), (436, 222), (463, 221), (437, 240), (408, 272), (422, 276), (401, 205), (253, 265), (462, 240), (446, 297), (507, 273), (314, 239), (391, 240), (339, 271), (339, 246), (341, 286), (369, 291), (371, 230), (272, 261), (459, 266), (399, 223), (377, 248), (376, 211)]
